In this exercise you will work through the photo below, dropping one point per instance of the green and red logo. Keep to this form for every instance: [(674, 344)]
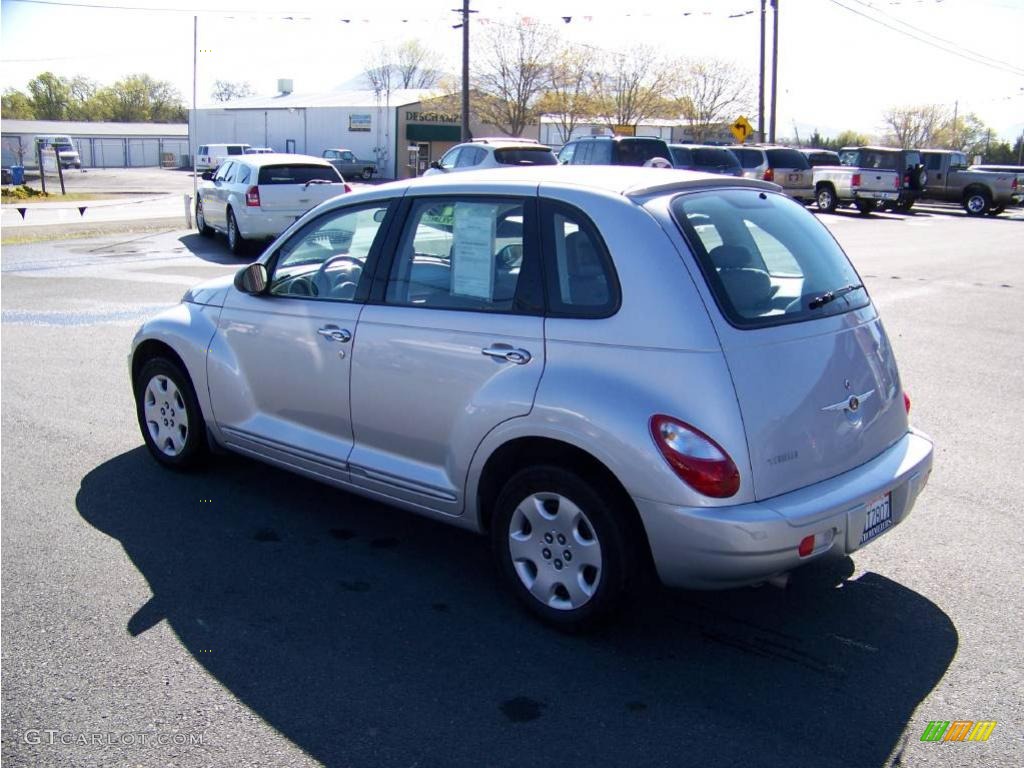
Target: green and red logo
[(958, 730)]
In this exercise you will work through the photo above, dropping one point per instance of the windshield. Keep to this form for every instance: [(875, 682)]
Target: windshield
[(525, 156), (767, 260), (749, 158), (715, 158), (297, 174)]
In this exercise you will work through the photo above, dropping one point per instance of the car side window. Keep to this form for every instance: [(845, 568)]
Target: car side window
[(325, 259), (347, 156), (469, 156), (223, 171), (231, 174), (243, 175), (450, 158), (578, 270), (463, 254), (235, 149), (583, 153), (567, 152), (601, 153), (933, 162), (202, 150)]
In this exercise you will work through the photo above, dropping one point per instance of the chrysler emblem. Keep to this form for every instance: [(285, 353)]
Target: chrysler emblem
[(851, 404)]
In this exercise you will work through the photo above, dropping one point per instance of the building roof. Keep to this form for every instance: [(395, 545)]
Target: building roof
[(76, 128), (347, 98)]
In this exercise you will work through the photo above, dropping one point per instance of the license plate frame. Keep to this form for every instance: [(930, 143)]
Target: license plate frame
[(794, 177), (877, 518)]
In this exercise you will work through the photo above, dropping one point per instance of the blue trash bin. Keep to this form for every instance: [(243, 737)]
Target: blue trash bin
[(17, 174)]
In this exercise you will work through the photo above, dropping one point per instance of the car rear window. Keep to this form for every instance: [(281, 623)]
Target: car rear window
[(639, 151), (767, 260), (749, 158), (681, 156), (234, 149), (787, 158), (297, 174), (823, 158), (715, 158), (525, 156)]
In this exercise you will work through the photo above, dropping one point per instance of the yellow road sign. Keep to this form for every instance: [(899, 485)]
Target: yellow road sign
[(741, 129)]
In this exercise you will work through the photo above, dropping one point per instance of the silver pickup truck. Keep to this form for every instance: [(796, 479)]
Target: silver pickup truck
[(979, 192), (349, 165), (857, 181)]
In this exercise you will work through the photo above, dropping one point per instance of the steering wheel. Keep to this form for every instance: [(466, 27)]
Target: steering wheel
[(320, 283)]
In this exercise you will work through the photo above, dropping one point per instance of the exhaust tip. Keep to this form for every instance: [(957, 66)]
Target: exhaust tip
[(779, 580)]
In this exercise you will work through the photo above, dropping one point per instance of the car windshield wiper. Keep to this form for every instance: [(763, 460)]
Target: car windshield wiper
[(827, 296), (317, 181)]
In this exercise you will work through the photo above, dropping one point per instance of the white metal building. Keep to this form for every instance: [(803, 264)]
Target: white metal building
[(362, 121), (100, 145)]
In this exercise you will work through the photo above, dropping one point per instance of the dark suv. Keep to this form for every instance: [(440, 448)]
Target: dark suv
[(908, 162), (616, 150)]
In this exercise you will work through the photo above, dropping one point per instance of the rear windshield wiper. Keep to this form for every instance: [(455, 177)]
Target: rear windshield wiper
[(827, 296), (317, 181)]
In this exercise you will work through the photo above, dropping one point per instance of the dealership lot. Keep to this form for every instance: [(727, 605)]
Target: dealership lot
[(265, 619)]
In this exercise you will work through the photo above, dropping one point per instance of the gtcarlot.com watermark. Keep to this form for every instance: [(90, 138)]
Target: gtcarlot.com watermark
[(53, 736)]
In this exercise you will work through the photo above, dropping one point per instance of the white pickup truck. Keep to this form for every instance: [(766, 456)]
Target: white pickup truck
[(865, 185)]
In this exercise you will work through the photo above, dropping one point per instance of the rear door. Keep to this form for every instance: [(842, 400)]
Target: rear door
[(815, 376), (450, 345), (293, 188)]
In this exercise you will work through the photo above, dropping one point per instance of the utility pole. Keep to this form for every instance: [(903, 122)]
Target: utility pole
[(775, 66), (760, 83), (465, 65), (195, 115), (956, 109)]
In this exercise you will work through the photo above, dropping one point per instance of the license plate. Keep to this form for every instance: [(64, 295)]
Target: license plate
[(878, 518), (794, 177)]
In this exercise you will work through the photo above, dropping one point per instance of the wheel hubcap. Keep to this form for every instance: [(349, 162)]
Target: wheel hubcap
[(166, 416), (975, 204), (232, 231), (555, 551)]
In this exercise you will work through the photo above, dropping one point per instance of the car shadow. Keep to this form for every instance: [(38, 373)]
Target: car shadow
[(369, 636), (215, 249)]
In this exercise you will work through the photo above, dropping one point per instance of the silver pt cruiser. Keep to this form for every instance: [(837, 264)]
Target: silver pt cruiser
[(598, 366)]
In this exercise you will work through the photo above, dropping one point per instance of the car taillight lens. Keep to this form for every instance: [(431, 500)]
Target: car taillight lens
[(347, 188), (906, 402), (1013, 184), (698, 460), (855, 180), (769, 175), (896, 182), (906, 179), (252, 197)]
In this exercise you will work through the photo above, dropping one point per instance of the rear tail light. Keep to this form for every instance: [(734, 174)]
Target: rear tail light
[(906, 402), (347, 188), (698, 460), (896, 182), (1013, 184), (769, 175), (252, 197), (855, 180), (806, 546), (906, 179)]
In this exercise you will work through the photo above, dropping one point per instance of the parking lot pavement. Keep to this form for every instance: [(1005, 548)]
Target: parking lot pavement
[(259, 618)]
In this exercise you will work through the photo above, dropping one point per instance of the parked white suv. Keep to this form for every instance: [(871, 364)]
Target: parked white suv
[(492, 153), (210, 156), (256, 197)]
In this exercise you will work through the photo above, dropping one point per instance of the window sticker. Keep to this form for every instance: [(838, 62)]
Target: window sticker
[(473, 252)]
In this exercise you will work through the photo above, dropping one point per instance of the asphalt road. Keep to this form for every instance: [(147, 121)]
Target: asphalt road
[(265, 620)]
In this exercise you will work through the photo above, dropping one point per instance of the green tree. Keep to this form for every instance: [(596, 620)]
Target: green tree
[(139, 98), (16, 105), (50, 96)]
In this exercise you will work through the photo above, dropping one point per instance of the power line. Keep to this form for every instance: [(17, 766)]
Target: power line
[(876, 9), (973, 59)]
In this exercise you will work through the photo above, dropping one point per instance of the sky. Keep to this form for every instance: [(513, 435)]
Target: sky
[(842, 63)]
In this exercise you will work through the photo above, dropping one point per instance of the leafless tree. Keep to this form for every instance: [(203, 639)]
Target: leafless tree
[(569, 98), (225, 90), (512, 70), (915, 126), (408, 65), (633, 86), (711, 92)]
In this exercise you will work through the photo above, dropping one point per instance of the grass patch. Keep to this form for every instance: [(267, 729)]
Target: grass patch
[(29, 195)]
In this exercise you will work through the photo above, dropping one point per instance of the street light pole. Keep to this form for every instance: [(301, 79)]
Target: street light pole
[(775, 66), (760, 83), (465, 70)]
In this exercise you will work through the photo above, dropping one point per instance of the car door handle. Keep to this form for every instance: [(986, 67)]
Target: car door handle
[(507, 353), (334, 333)]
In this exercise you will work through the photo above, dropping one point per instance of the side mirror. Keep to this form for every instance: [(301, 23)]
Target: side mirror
[(252, 279), (206, 175), (436, 165)]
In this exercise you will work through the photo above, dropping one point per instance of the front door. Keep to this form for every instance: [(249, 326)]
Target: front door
[(279, 363), (449, 348)]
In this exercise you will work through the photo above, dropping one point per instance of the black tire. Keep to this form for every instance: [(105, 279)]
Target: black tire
[(367, 174), (610, 532), (866, 206), (904, 206), (236, 243), (995, 210), (204, 229), (191, 438), (976, 202), (825, 197), (919, 178)]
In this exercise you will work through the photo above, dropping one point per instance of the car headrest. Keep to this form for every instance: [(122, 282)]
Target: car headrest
[(730, 257), (581, 257)]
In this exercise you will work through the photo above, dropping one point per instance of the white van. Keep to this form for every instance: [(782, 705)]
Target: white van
[(65, 147), (210, 156)]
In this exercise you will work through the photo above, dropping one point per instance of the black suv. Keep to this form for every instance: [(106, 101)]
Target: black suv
[(615, 150), (908, 162)]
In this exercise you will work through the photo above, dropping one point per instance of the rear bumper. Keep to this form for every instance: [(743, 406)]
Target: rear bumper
[(867, 194), (799, 193), (256, 224), (722, 547)]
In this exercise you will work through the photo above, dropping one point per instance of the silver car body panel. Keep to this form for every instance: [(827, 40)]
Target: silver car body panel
[(413, 410)]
